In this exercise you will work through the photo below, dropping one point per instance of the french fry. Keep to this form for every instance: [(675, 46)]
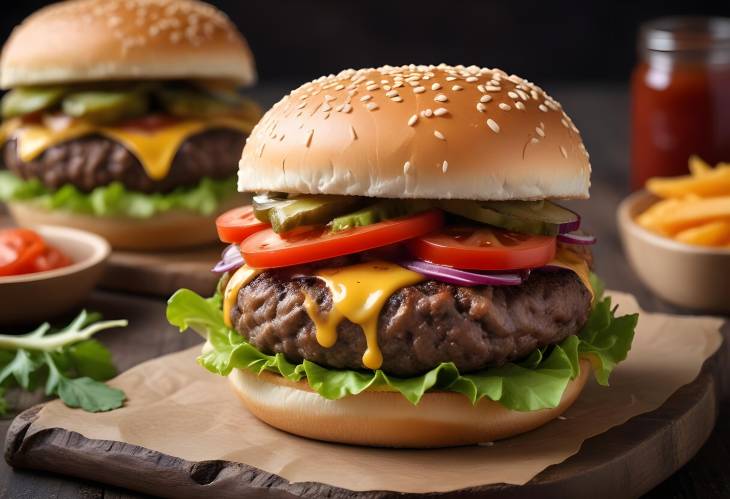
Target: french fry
[(652, 218), (698, 166), (710, 234), (693, 213), (710, 184)]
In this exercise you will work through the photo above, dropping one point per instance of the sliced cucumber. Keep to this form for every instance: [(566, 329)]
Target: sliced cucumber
[(26, 100), (385, 209), (530, 217), (288, 214)]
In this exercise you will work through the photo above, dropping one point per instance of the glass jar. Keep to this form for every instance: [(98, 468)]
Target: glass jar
[(680, 96)]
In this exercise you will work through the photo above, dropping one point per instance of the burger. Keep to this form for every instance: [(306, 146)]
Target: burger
[(125, 118), (404, 276)]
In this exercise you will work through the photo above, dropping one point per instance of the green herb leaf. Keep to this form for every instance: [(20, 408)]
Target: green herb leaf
[(538, 382), (88, 394), (92, 359), (21, 368), (115, 200)]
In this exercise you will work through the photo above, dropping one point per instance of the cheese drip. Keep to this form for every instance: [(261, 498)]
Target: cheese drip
[(155, 150), (239, 279), (358, 294)]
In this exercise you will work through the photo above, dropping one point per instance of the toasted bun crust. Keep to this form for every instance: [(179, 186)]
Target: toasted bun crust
[(166, 231), (82, 40), (387, 419), (418, 132)]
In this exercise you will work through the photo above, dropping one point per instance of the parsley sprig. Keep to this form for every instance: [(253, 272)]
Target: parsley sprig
[(67, 363)]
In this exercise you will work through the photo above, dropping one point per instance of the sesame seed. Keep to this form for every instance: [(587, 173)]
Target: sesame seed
[(493, 125), (512, 95), (564, 122), (374, 86), (440, 111), (392, 93), (472, 79), (418, 90), (397, 98), (543, 108), (534, 95), (445, 166), (481, 88), (398, 84), (372, 106), (481, 107), (451, 78), (563, 152), (328, 98), (386, 88), (540, 131), (519, 105), (441, 98), (308, 140), (302, 105), (435, 86), (492, 88), (346, 108), (456, 88), (353, 134), (504, 106), (326, 108), (485, 98), (406, 167), (412, 120), (439, 135), (339, 87), (522, 94), (562, 418), (261, 149), (427, 113), (534, 140)]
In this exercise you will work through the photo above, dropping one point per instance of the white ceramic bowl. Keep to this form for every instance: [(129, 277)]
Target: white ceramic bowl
[(694, 277), (35, 298)]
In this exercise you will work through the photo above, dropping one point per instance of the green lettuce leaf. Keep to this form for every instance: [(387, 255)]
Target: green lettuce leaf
[(537, 382), (115, 200)]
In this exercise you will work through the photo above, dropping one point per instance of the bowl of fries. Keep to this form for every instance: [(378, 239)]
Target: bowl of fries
[(676, 235)]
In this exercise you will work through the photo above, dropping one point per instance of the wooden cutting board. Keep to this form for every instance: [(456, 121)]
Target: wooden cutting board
[(161, 274), (626, 461)]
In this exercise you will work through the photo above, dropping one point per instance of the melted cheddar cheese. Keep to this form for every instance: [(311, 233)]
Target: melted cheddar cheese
[(358, 293), (239, 279), (155, 150)]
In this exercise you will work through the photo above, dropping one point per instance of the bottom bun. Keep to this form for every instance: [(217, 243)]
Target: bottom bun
[(165, 231), (387, 419)]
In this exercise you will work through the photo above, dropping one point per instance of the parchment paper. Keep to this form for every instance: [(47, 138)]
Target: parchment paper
[(178, 408)]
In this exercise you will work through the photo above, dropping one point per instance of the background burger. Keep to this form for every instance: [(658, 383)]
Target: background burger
[(124, 118), (408, 280)]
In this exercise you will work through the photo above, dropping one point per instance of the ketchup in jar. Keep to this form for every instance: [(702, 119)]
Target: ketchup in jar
[(680, 96)]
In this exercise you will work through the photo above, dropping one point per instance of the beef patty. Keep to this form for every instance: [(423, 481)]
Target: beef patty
[(420, 326), (93, 161)]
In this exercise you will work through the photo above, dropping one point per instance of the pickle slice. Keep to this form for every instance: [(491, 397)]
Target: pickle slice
[(106, 106), (288, 214), (26, 100), (384, 209), (530, 217), (188, 103)]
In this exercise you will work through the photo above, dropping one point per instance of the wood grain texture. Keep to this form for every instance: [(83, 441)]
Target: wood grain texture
[(601, 114), (162, 273)]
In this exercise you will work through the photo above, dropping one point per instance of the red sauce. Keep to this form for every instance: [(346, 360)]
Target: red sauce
[(680, 101)]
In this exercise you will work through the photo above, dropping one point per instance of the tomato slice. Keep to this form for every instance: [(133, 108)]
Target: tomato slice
[(237, 224), (267, 249), (19, 249), (51, 259), (483, 248)]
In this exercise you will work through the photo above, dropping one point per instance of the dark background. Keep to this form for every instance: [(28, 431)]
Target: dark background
[(544, 41)]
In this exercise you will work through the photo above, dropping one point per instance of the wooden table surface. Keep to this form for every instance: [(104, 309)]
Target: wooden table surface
[(602, 115)]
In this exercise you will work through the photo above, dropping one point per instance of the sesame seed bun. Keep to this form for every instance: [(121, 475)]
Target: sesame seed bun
[(92, 40), (418, 132), (387, 419)]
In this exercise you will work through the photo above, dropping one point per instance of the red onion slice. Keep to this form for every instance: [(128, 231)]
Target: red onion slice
[(460, 277), (581, 239), (231, 258)]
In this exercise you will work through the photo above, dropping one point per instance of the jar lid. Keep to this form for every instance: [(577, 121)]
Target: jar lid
[(670, 34)]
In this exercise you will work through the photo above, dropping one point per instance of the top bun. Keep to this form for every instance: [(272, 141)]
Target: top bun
[(439, 132), (92, 40)]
